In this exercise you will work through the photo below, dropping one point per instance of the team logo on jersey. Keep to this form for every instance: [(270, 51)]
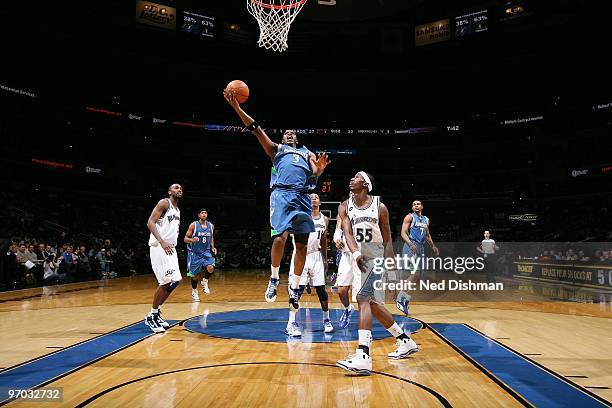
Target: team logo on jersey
[(169, 272), (364, 219), (350, 208)]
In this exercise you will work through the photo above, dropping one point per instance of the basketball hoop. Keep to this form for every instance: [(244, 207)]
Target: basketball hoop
[(274, 18)]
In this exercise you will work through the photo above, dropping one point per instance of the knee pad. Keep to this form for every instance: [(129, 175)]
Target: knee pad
[(322, 293), (171, 286)]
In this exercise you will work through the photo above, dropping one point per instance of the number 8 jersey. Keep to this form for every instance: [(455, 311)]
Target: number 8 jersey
[(365, 223)]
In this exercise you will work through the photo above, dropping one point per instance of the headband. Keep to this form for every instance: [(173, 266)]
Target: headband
[(367, 180)]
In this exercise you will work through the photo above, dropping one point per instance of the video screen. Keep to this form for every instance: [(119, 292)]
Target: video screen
[(469, 24), (198, 24)]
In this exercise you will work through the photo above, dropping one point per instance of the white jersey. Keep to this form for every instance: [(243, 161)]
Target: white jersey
[(167, 226), (314, 238), (488, 246), (365, 222)]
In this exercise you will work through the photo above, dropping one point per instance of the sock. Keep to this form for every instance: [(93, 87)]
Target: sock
[(294, 281), (325, 315), (274, 272), (154, 311), (395, 330), (365, 349), (194, 284), (365, 339), (292, 316), (207, 275)]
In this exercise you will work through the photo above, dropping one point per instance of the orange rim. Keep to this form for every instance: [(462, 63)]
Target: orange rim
[(278, 7)]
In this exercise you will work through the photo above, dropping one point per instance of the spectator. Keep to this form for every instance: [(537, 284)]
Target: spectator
[(11, 267), (70, 261), (103, 258), (582, 257), (83, 265), (571, 255), (21, 255), (545, 257), (51, 270)]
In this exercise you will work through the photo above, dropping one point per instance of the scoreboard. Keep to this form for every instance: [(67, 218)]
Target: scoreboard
[(198, 24), (469, 24)]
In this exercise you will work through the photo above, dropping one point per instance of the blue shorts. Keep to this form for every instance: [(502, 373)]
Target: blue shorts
[(290, 211), (197, 262), (420, 250)]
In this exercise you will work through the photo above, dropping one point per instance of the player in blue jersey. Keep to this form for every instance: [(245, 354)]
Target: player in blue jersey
[(415, 233), (290, 204), (201, 252)]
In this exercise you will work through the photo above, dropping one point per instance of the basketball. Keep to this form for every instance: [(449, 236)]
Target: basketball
[(240, 89)]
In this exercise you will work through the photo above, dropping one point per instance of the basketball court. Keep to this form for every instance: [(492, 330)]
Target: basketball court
[(545, 340), (230, 350)]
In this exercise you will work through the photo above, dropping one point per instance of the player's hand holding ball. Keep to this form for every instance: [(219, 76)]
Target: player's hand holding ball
[(235, 93)]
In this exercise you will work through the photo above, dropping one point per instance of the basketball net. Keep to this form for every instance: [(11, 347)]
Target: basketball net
[(274, 18)]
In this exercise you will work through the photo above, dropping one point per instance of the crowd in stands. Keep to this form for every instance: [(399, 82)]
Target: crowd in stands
[(30, 262), (596, 256)]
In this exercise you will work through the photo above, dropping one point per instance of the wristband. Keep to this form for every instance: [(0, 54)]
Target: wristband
[(338, 235), (253, 126), (356, 255)]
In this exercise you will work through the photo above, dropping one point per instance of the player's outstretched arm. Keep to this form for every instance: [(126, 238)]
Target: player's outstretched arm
[(189, 238), (156, 214), (319, 163), (268, 145)]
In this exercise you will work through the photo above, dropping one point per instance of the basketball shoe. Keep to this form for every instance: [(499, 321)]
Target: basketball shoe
[(359, 363), (270, 294), (294, 299), (293, 330), (194, 295), (327, 326), (153, 325), (402, 302), (405, 347), (345, 318), (157, 317)]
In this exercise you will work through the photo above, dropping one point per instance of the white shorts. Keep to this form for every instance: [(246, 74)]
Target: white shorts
[(348, 272), (166, 267), (314, 269)]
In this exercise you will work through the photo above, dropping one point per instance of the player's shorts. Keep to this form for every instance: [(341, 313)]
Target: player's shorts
[(349, 273), (420, 250), (166, 267), (419, 253), (371, 286), (314, 269), (290, 211), (197, 262)]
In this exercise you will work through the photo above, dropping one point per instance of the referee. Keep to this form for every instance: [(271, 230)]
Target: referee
[(489, 248)]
